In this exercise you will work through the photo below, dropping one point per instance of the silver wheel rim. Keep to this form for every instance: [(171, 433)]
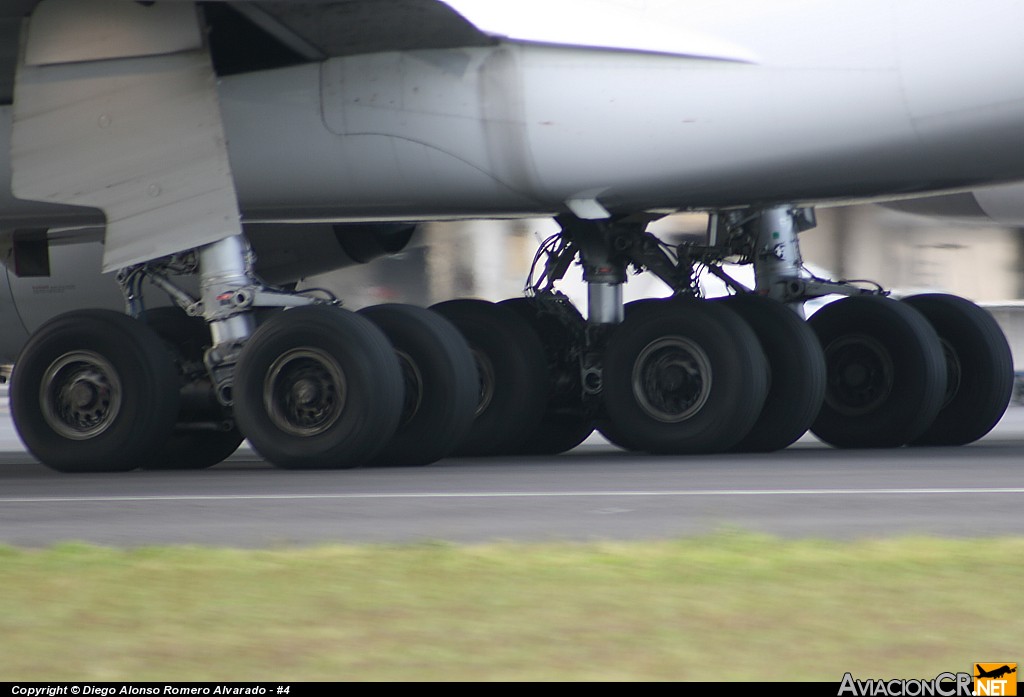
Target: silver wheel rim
[(304, 392), (80, 395), (672, 379)]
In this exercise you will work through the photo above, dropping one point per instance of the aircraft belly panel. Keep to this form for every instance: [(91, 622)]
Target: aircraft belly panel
[(675, 132), (464, 104), (294, 160), (1004, 204), (523, 127), (980, 70)]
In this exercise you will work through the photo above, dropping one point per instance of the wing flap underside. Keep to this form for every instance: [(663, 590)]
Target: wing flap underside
[(139, 137)]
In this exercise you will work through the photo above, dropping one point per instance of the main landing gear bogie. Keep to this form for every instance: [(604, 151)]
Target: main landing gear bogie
[(931, 369), (315, 386)]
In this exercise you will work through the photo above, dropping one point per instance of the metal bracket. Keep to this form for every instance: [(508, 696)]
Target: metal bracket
[(230, 293)]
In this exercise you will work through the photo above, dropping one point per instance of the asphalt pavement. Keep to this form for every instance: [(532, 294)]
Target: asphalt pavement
[(595, 492)]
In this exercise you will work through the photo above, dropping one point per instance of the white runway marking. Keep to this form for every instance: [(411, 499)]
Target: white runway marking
[(517, 494)]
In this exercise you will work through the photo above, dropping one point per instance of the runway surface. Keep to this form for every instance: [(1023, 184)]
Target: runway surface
[(595, 492)]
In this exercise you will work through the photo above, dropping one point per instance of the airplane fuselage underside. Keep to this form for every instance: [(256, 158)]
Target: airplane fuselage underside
[(518, 129), (522, 129)]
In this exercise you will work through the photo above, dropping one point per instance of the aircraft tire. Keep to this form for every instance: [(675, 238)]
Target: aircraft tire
[(441, 384), (979, 369), (605, 427), (196, 450), (886, 375), (797, 368), (512, 373), (566, 422), (318, 387), (683, 376), (188, 338), (94, 391)]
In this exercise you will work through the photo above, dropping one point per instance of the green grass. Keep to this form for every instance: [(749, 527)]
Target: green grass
[(729, 606)]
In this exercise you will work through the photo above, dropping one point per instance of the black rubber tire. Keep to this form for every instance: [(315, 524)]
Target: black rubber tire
[(196, 450), (607, 429), (188, 338), (128, 358), (796, 366), (513, 377), (716, 345), (560, 431), (634, 307), (604, 426), (565, 423), (886, 373), (979, 369), (350, 368), (441, 384)]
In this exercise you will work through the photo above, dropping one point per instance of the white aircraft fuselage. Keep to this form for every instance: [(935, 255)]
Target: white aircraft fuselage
[(825, 101)]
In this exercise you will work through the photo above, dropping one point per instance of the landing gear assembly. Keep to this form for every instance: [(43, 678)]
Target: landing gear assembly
[(205, 433), (314, 386), (683, 375)]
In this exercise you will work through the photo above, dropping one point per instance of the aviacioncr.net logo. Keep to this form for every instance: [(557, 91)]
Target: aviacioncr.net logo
[(943, 685), (995, 679)]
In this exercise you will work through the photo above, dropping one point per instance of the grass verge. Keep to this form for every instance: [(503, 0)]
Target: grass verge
[(730, 606)]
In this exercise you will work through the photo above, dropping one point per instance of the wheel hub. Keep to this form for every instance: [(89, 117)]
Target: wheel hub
[(304, 392), (860, 374), (83, 394), (672, 379), (80, 395)]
